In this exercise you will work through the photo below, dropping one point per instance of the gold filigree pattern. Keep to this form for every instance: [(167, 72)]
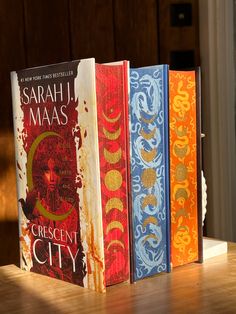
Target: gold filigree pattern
[(181, 172), (114, 203), (115, 224), (112, 158), (150, 120), (148, 177), (181, 103), (148, 136), (115, 242), (111, 120), (148, 156), (150, 220), (113, 180), (112, 136), (149, 200)]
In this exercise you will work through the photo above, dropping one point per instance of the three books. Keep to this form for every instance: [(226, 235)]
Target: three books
[(107, 162)]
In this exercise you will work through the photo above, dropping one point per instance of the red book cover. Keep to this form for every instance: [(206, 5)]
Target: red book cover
[(58, 172), (112, 96), (69, 125)]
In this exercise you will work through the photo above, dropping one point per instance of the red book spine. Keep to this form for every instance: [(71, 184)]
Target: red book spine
[(111, 102)]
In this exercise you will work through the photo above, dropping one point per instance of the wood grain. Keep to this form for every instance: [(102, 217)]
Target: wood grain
[(9, 244), (8, 203), (9, 240), (92, 33), (136, 31), (12, 54), (194, 288), (47, 32)]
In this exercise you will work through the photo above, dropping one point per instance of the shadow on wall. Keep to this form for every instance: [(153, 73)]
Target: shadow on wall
[(8, 200), (9, 238), (9, 243)]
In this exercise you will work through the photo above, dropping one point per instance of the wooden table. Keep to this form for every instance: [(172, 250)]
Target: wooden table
[(194, 288)]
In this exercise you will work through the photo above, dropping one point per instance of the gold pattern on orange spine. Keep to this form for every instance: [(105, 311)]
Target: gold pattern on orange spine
[(183, 168)]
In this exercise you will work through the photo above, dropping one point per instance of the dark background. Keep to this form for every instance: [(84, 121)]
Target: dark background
[(40, 32)]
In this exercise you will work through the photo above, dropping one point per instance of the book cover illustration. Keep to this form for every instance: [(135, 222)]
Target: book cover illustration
[(58, 174), (149, 170), (112, 94), (183, 168)]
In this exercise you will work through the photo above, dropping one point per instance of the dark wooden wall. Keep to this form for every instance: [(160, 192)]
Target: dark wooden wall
[(40, 32)]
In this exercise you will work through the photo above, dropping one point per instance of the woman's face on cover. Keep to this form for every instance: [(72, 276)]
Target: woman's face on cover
[(51, 177)]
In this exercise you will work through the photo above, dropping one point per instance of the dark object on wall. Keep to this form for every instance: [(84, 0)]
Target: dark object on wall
[(181, 14), (183, 59), (179, 33)]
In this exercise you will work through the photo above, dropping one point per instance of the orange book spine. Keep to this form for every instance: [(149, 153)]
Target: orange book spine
[(184, 170)]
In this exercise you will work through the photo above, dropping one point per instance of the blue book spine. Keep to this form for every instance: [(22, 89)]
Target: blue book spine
[(149, 158)]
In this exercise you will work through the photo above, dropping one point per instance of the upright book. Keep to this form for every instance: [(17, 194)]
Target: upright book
[(149, 172), (112, 102), (185, 167), (65, 189)]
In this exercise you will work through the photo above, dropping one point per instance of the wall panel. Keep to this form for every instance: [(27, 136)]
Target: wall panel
[(92, 33), (136, 31), (47, 31), (12, 54), (179, 35)]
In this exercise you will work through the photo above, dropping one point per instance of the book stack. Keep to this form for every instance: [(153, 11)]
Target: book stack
[(108, 170)]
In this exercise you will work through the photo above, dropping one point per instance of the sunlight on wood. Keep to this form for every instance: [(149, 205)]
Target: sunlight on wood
[(8, 199), (193, 288)]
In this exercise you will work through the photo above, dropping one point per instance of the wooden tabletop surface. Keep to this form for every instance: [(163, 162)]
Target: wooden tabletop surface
[(194, 288)]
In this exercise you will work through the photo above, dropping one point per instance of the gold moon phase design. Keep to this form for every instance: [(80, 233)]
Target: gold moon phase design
[(148, 156), (150, 220), (181, 193), (113, 180), (181, 212), (115, 242), (181, 131), (112, 158), (149, 135), (112, 136), (149, 120), (30, 159), (150, 236), (111, 120), (181, 151), (149, 200), (114, 203), (148, 177), (51, 216), (114, 225), (181, 172)]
